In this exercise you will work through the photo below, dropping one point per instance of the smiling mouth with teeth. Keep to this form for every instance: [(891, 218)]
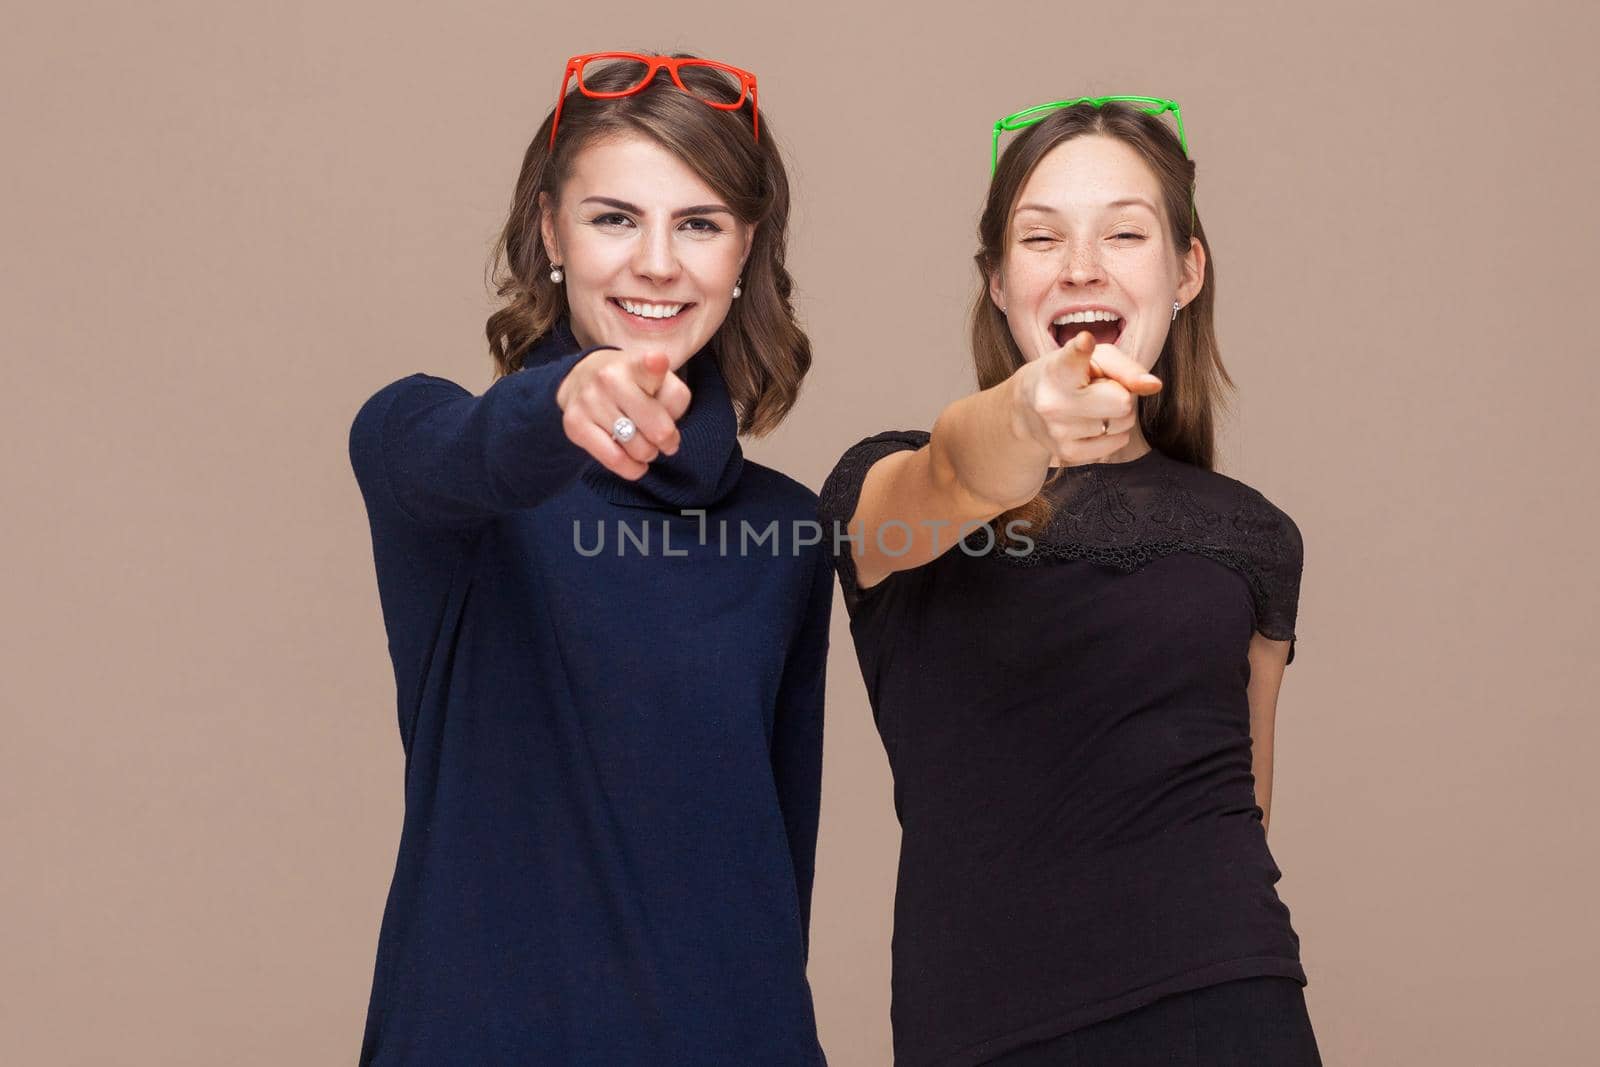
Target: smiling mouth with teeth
[(640, 309), (1106, 326)]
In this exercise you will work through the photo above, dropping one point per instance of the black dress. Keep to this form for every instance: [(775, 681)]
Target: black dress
[(1069, 734)]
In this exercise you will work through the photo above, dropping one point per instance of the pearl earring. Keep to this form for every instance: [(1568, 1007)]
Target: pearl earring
[(1175, 306), (555, 274), (736, 289)]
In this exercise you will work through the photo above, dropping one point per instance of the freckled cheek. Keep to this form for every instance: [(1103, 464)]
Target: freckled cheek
[(1028, 280)]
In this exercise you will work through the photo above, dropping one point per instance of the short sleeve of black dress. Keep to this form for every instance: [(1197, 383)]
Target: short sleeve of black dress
[(1280, 556), (1124, 515), (1121, 515), (837, 502)]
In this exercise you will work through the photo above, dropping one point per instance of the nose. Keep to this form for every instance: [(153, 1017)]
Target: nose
[(1083, 264), (653, 256)]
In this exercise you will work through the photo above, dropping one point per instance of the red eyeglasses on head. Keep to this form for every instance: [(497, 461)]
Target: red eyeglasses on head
[(637, 71)]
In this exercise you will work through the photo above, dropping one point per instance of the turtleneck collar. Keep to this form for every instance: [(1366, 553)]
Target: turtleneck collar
[(708, 461)]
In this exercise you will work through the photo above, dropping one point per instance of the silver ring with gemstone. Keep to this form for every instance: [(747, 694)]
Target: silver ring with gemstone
[(1105, 427), (622, 430)]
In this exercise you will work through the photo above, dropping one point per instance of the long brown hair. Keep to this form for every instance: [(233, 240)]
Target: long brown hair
[(760, 348), (1180, 420)]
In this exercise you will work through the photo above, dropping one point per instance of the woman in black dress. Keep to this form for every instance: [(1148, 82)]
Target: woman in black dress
[(1073, 630)]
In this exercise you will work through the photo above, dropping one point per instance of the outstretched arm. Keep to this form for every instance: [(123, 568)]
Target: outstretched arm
[(452, 460), (989, 452)]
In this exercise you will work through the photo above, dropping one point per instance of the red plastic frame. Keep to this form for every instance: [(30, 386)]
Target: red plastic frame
[(747, 84)]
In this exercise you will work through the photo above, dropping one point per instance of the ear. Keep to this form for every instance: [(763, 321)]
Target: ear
[(997, 291), (1194, 272), (749, 243), (547, 229)]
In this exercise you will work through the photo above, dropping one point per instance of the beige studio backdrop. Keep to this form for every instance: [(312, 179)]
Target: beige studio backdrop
[(226, 225)]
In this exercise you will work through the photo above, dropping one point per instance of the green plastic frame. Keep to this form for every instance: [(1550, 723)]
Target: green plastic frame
[(1153, 105)]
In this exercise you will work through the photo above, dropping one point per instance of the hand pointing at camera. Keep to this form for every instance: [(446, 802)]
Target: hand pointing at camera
[(622, 408), (1079, 400)]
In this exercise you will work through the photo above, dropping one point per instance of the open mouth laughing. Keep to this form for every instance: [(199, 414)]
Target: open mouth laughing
[(1106, 326)]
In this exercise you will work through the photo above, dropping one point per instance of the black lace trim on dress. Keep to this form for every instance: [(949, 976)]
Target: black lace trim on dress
[(1122, 515)]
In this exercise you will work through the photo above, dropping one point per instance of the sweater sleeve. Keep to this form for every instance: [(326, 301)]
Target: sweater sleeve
[(450, 460), (797, 736)]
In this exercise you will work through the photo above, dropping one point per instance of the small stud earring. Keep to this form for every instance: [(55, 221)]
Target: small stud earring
[(555, 274), (1175, 306), (736, 289)]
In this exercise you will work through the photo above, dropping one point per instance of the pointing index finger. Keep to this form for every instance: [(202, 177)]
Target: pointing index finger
[(649, 370), (1111, 362), (1073, 358)]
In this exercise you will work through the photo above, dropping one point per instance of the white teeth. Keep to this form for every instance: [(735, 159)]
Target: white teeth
[(1088, 316), (651, 311)]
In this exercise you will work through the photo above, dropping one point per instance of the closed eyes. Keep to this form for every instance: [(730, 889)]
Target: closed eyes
[(1043, 237)]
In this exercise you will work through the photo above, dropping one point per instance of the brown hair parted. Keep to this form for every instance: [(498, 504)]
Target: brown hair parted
[(760, 348), (1180, 420)]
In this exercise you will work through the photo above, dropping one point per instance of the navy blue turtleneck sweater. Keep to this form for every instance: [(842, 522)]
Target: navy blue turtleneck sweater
[(611, 713)]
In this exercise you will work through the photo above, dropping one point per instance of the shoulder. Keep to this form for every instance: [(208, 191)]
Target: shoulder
[(420, 382), (365, 439), (884, 442), (413, 387), (842, 488), (1262, 523), (1220, 504)]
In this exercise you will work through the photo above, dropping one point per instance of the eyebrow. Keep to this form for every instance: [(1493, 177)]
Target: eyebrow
[(1127, 201), (623, 205)]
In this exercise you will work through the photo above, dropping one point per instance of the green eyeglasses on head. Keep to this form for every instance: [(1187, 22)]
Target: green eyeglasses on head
[(1028, 116), (1150, 105)]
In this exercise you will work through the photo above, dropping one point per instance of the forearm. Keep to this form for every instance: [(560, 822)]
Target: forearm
[(452, 460), (979, 447), (798, 773), (797, 736), (1261, 769), (1267, 657)]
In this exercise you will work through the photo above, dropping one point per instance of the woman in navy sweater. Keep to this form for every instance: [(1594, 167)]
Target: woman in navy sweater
[(608, 628)]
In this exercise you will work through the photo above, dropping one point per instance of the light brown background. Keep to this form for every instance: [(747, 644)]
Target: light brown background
[(225, 226)]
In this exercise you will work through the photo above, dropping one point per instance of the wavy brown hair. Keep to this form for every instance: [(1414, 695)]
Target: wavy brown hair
[(761, 349), (1180, 420)]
